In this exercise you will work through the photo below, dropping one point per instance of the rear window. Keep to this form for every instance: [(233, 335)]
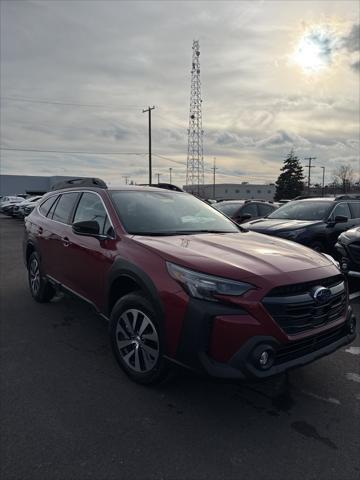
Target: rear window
[(64, 207), (355, 209), (45, 206), (265, 209), (228, 208)]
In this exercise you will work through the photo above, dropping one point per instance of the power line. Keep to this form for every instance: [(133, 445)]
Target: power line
[(71, 104), (36, 150)]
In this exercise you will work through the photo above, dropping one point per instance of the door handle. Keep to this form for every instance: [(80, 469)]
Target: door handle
[(65, 241)]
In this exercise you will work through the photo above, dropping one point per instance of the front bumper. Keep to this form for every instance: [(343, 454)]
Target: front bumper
[(201, 333)]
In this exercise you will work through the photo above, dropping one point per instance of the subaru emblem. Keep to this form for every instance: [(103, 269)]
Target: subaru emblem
[(321, 294)]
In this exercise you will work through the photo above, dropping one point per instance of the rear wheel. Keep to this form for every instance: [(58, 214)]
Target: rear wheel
[(40, 288), (137, 339)]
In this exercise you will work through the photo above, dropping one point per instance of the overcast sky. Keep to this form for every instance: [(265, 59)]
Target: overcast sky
[(75, 77)]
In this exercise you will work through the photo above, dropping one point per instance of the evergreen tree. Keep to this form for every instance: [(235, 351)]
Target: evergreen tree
[(290, 182)]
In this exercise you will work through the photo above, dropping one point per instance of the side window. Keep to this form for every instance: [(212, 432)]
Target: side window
[(265, 209), (341, 209), (355, 209), (64, 207), (45, 206), (249, 208), (91, 207)]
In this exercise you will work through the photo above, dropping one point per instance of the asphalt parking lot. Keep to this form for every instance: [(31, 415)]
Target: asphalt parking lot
[(69, 413)]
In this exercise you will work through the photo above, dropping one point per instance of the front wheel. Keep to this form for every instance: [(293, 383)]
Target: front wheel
[(137, 339), (40, 288)]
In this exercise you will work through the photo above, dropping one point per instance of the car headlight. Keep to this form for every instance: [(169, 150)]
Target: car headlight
[(332, 260), (292, 233), (206, 287)]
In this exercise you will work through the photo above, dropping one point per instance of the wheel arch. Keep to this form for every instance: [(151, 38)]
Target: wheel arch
[(126, 277)]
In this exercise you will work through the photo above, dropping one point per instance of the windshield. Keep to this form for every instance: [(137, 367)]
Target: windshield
[(167, 213), (303, 210), (227, 208)]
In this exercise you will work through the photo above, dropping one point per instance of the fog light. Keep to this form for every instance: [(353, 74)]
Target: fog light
[(352, 324), (264, 358)]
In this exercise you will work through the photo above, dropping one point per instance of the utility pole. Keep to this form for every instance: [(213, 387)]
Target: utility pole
[(149, 111), (170, 170), (214, 173), (323, 182), (309, 167), (126, 179), (158, 175)]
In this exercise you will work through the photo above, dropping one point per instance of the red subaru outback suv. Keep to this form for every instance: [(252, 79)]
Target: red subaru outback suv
[(180, 282)]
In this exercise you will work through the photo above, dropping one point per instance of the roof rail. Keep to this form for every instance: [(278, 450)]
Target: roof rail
[(165, 186), (348, 196), (79, 182)]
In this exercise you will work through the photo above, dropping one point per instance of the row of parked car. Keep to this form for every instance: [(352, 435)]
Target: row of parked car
[(330, 225), (18, 207)]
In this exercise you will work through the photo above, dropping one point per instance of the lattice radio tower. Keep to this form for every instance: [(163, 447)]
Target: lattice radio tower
[(195, 156)]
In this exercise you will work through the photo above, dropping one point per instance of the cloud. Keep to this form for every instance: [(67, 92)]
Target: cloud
[(283, 139), (356, 66), (351, 42)]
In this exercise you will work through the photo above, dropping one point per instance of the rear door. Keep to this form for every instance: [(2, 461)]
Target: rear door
[(58, 235), (90, 258)]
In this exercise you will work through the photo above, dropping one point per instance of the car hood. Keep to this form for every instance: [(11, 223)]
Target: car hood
[(273, 225), (239, 255)]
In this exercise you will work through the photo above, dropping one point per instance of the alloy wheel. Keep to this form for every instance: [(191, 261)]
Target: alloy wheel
[(34, 276), (137, 341)]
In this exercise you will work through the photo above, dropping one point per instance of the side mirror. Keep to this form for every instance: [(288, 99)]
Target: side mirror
[(88, 227), (340, 219)]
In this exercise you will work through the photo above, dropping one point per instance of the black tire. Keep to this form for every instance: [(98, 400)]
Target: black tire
[(131, 346), (40, 288), (317, 246)]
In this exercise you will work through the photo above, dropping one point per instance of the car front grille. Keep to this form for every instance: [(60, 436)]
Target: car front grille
[(297, 349), (299, 312)]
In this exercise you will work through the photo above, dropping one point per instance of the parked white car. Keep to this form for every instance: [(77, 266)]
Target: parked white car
[(6, 202), (19, 209)]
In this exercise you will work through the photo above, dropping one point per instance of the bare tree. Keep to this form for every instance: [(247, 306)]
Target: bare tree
[(344, 175)]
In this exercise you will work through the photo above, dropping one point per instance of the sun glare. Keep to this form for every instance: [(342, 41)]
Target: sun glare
[(308, 56), (315, 50)]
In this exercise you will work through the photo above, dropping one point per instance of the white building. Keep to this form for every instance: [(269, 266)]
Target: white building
[(233, 191)]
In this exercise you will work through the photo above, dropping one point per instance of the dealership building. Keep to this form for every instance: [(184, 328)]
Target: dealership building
[(29, 184), (233, 191)]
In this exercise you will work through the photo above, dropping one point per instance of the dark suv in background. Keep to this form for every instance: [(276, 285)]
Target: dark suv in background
[(348, 246), (180, 282), (314, 222), (243, 210)]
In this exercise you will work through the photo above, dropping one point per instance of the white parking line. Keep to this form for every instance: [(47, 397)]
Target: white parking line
[(353, 350), (353, 376), (354, 295), (318, 397)]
